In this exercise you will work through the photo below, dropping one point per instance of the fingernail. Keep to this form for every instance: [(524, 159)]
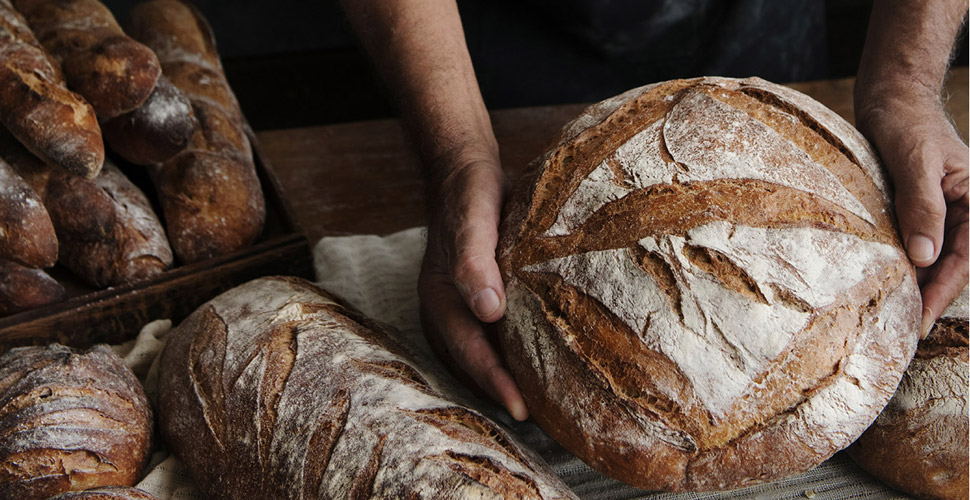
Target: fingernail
[(518, 411), (927, 323), (920, 248), (485, 303)]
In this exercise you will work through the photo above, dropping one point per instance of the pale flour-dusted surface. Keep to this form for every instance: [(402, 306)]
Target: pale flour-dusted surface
[(713, 260), (379, 275)]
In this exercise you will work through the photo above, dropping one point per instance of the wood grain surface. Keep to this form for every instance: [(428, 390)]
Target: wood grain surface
[(364, 178)]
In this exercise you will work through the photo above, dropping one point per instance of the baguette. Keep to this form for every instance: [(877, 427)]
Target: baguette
[(107, 231), (35, 106), (114, 73), (23, 288), (155, 132), (705, 285), (26, 232), (210, 193), (278, 390), (71, 420)]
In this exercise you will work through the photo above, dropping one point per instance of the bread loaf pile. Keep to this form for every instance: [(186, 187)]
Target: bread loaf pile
[(278, 390), (919, 444), (69, 71), (69, 420), (705, 285)]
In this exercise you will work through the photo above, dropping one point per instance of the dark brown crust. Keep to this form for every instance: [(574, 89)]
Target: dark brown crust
[(69, 420), (35, 106), (114, 73), (23, 288), (158, 130), (625, 382), (107, 232), (210, 194), (26, 232)]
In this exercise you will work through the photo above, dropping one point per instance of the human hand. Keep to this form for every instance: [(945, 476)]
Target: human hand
[(460, 286), (927, 162)]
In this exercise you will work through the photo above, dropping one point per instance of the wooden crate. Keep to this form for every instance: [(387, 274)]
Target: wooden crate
[(116, 314)]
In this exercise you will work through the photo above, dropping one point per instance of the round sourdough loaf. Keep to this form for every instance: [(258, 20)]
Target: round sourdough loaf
[(705, 285), (919, 444), (69, 420)]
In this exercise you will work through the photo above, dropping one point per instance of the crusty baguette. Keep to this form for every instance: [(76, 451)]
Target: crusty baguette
[(71, 420), (23, 288), (113, 72), (920, 444), (277, 390), (50, 120), (106, 493), (705, 285), (155, 132), (26, 233), (106, 229), (210, 193)]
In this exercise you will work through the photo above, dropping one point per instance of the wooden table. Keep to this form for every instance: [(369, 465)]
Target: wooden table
[(363, 178)]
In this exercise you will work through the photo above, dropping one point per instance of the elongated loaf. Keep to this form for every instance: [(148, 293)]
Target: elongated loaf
[(69, 420), (155, 132), (277, 390), (23, 288), (113, 72), (920, 442), (26, 233), (705, 285), (51, 121), (210, 194), (107, 231), (106, 493)]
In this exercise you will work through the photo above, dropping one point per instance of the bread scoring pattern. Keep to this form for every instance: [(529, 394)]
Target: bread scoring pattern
[(279, 390), (701, 271)]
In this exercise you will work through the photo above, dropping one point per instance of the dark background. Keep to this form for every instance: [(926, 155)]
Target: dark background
[(296, 63)]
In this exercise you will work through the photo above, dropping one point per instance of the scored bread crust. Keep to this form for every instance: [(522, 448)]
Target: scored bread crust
[(69, 420), (705, 286), (107, 493), (920, 442), (278, 390)]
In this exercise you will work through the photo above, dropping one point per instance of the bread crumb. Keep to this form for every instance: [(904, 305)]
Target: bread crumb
[(809, 493)]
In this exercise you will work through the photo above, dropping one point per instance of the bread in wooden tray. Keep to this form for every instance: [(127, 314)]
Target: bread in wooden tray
[(705, 285), (37, 108), (26, 232), (23, 288), (69, 420), (111, 71), (210, 194), (277, 390), (920, 442), (107, 230)]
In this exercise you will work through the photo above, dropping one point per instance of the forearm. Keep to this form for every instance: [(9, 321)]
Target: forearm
[(907, 52), (419, 49)]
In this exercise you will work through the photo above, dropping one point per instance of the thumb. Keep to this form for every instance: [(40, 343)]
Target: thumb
[(920, 206), (476, 205)]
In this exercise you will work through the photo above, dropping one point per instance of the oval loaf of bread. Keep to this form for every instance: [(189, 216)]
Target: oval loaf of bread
[(920, 442), (23, 288), (705, 287), (277, 390), (106, 493), (26, 232), (69, 420)]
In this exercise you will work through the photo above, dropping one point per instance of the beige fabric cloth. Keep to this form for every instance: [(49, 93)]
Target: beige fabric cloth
[(379, 276)]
